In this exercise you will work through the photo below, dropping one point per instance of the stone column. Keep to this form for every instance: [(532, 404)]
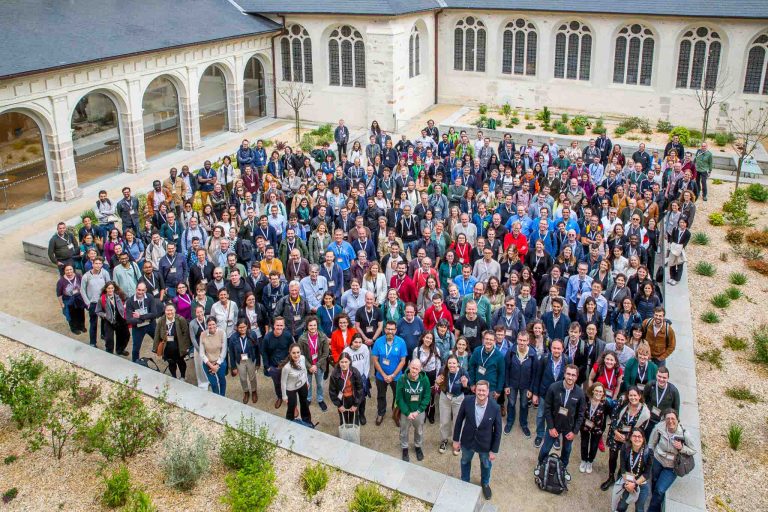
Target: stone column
[(190, 112), (61, 156), (235, 100), (133, 130)]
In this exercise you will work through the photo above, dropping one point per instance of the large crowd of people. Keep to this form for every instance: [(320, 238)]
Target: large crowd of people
[(459, 281)]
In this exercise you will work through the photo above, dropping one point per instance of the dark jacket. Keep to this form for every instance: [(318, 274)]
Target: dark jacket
[(544, 376), (558, 332), (235, 349), (181, 334), (555, 398), (482, 438), (336, 383), (153, 309), (520, 374)]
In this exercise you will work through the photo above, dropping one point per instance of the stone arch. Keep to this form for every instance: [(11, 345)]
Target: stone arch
[(216, 80), (162, 118), (258, 100)]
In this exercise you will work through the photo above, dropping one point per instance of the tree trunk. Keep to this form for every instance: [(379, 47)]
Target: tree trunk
[(704, 124), (296, 117), (738, 171)]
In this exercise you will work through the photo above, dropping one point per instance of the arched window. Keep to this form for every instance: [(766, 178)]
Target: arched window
[(699, 59), (296, 53), (519, 48), (633, 61), (414, 53), (573, 51), (469, 45), (756, 80), (346, 57)]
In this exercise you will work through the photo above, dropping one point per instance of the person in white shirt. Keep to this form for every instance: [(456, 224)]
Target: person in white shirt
[(487, 267)]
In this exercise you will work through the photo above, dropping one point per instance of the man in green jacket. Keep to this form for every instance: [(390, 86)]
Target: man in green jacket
[(412, 397), (487, 363), (703, 163)]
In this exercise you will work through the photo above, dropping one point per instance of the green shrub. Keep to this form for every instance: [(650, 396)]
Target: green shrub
[(582, 120), (717, 181), (505, 110), (544, 115), (21, 392), (564, 118), (324, 130), (735, 209), (117, 488), (733, 293), (721, 139), (10, 495), (663, 126), (735, 435), (700, 238), (636, 123), (307, 143), (186, 458), (737, 278), (314, 478), (10, 459), (248, 441), (483, 109), (758, 192), (369, 498), (742, 393), (716, 219), (713, 356), (140, 502), (720, 300), (734, 236), (760, 339), (710, 317), (127, 426), (694, 142), (580, 130), (695, 133), (704, 268), (620, 131), (514, 121), (683, 133), (252, 488), (734, 342), (530, 126)]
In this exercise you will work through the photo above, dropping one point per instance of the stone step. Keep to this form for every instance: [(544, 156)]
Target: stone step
[(489, 507)]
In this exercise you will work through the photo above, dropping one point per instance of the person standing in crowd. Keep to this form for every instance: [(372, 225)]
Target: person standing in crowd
[(660, 395), (293, 383), (564, 406), (141, 310), (520, 372), (412, 396), (634, 484), (346, 389), (172, 342), (111, 308), (244, 359), (91, 285), (388, 356), (667, 439), (213, 345), (68, 291), (478, 430), (274, 349), (315, 348), (453, 384), (487, 363), (63, 248), (660, 336)]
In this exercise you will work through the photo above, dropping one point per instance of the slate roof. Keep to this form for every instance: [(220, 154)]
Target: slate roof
[(42, 34), (691, 8)]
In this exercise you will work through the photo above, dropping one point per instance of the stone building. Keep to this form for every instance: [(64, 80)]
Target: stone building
[(106, 85)]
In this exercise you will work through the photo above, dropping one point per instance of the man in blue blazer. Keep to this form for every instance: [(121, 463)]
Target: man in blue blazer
[(478, 430), (556, 322)]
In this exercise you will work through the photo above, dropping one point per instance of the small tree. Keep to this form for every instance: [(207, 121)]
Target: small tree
[(295, 94), (749, 126), (708, 95)]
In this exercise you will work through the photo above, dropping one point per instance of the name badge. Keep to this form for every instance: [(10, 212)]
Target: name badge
[(508, 333), (589, 424), (481, 370), (340, 260), (449, 395), (629, 477), (409, 233), (369, 329), (170, 338), (172, 271), (655, 411), (640, 387), (297, 318), (243, 357), (385, 361), (204, 281), (131, 212), (625, 429), (274, 305), (341, 395), (175, 237), (563, 411), (414, 398), (331, 283), (75, 290)]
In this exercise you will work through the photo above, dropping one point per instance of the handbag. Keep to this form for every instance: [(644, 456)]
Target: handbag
[(349, 431), (160, 348), (684, 463)]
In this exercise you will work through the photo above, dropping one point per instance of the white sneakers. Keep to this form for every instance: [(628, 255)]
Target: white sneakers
[(672, 282), (589, 467), (583, 466)]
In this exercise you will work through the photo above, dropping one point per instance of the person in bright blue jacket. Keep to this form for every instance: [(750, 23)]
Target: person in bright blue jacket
[(245, 155), (520, 373), (487, 363)]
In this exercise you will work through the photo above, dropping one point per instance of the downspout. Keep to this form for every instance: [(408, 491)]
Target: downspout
[(282, 32), (437, 51)]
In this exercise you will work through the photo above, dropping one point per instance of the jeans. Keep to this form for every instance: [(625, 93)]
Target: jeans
[(541, 424), (381, 396), (93, 323), (565, 451), (275, 373), (316, 381), (411, 246), (662, 479), (617, 499), (218, 380), (137, 336), (466, 465), (513, 398), (701, 181)]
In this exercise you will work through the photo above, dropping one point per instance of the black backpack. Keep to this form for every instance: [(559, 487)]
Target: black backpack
[(244, 251), (551, 475)]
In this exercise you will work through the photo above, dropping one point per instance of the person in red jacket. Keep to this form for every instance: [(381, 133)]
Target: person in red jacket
[(517, 238), (406, 288), (436, 312)]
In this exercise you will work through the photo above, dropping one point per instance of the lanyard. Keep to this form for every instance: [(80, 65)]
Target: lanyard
[(387, 349), (630, 418), (567, 394), (329, 312), (313, 343), (592, 410), (609, 382), (171, 263), (346, 378), (452, 382), (660, 398), (555, 368), (641, 377), (243, 342), (169, 327), (410, 388), (369, 319), (634, 463), (483, 361)]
